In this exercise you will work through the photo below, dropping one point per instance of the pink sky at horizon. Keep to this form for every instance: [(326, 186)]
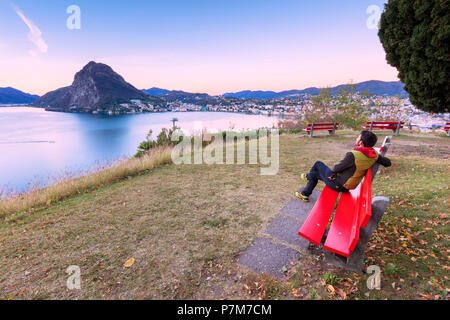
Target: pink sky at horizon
[(208, 47), (38, 75)]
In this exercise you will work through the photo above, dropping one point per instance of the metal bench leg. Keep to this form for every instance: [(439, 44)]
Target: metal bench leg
[(312, 130), (334, 129), (397, 131)]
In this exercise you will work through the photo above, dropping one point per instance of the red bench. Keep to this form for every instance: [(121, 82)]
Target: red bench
[(353, 212), (384, 125), (331, 127), (447, 128)]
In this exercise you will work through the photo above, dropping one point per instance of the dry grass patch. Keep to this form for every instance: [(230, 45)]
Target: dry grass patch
[(42, 197), (186, 225)]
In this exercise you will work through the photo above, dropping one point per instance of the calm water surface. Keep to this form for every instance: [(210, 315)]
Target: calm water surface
[(37, 147)]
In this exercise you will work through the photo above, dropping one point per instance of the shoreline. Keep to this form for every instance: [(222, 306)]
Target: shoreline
[(41, 197), (279, 115), (99, 177), (102, 139), (15, 105)]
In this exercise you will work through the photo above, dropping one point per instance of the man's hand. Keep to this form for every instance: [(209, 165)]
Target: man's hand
[(332, 177)]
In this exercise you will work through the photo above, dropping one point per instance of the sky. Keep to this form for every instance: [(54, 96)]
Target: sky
[(211, 46)]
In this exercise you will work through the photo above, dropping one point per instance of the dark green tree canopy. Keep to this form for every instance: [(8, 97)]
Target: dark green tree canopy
[(416, 37)]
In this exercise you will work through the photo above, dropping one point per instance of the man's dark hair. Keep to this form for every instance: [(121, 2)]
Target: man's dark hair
[(368, 138)]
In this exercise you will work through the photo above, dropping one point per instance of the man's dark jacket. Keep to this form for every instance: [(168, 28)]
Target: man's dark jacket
[(346, 168)]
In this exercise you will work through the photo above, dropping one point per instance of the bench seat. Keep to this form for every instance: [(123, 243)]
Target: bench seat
[(384, 125), (315, 225), (318, 128), (351, 213)]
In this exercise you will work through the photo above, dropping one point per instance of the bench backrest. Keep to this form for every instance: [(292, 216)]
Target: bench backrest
[(385, 125), (385, 122), (325, 124), (383, 150)]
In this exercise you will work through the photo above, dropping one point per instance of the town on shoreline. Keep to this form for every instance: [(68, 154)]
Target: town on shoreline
[(381, 106)]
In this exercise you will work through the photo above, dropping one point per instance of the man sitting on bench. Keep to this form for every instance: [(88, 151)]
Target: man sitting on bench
[(348, 173)]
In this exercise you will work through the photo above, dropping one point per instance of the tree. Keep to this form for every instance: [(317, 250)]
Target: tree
[(164, 139), (320, 110), (415, 35), (345, 107), (350, 111)]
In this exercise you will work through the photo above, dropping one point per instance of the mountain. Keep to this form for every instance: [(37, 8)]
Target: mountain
[(391, 88), (156, 92), (267, 95), (10, 96), (96, 86), (181, 96), (247, 94), (373, 87)]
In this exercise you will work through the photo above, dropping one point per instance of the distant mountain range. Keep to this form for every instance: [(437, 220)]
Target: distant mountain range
[(96, 86), (156, 92), (11, 96), (372, 87), (182, 96)]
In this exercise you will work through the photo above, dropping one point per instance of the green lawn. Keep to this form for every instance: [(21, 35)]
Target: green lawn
[(186, 225)]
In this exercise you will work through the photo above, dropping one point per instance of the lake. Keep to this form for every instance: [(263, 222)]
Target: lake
[(38, 147)]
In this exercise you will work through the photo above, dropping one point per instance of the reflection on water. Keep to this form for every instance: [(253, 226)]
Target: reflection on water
[(36, 145)]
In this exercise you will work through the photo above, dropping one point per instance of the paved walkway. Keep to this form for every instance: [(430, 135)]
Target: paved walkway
[(280, 245)]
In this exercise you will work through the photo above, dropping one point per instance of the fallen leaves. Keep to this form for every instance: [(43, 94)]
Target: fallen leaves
[(297, 293), (129, 263), (341, 293), (426, 296), (388, 249), (330, 289)]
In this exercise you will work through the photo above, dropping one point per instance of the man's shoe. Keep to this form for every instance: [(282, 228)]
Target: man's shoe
[(302, 197), (304, 177)]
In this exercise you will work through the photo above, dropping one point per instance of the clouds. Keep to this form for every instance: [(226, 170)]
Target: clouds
[(34, 35)]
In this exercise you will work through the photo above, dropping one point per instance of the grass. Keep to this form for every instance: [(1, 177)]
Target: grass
[(126, 169), (186, 225)]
